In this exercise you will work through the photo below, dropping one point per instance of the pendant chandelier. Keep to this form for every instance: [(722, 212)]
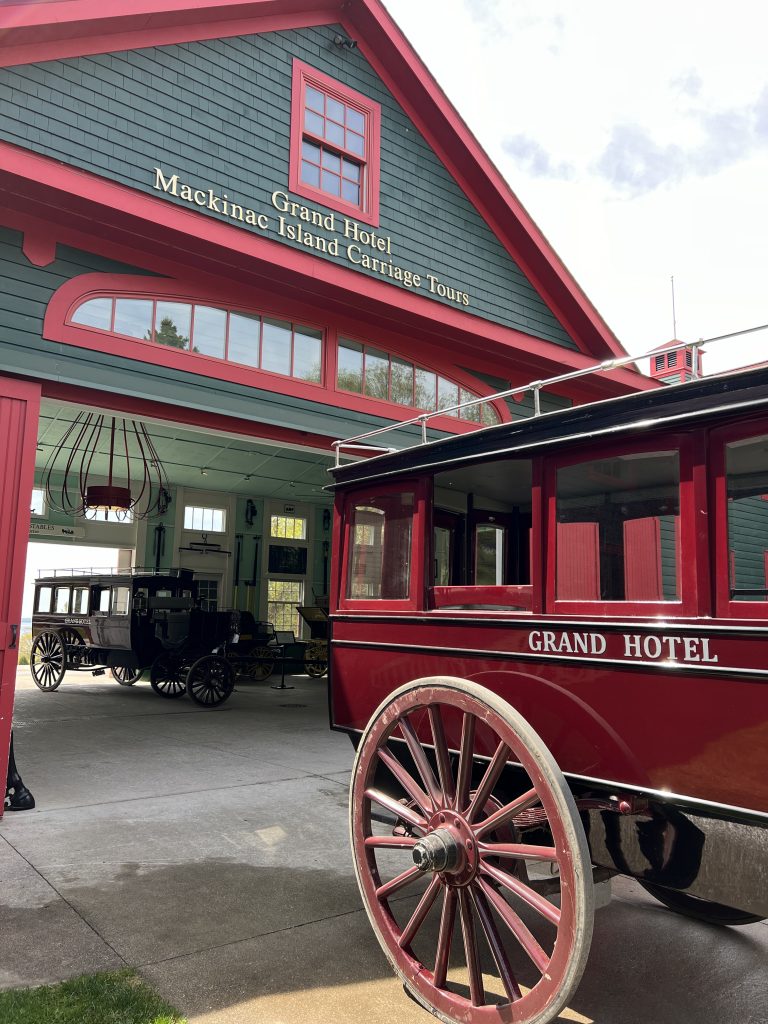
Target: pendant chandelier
[(106, 465)]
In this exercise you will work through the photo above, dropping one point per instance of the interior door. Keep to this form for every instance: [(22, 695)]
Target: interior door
[(19, 413)]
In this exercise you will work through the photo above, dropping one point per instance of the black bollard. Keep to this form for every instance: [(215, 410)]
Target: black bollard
[(17, 796)]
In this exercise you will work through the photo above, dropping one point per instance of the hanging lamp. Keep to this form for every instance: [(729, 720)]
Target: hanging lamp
[(136, 483)]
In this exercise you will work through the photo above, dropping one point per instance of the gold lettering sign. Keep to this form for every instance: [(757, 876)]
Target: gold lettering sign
[(359, 245)]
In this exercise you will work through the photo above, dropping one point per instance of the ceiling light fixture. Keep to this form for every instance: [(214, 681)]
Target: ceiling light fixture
[(98, 448)]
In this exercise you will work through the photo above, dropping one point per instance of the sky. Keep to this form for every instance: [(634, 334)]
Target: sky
[(46, 557), (636, 137)]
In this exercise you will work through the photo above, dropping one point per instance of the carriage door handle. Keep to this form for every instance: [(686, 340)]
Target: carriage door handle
[(14, 636)]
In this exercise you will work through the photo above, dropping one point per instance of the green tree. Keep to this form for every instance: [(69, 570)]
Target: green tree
[(168, 335)]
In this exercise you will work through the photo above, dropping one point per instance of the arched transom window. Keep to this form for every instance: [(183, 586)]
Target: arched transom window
[(249, 339), (369, 371)]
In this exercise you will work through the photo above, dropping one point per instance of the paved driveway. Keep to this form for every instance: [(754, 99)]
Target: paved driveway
[(209, 849)]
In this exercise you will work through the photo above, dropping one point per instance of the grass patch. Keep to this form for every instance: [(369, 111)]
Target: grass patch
[(117, 997)]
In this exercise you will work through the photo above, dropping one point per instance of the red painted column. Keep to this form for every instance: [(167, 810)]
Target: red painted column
[(19, 414)]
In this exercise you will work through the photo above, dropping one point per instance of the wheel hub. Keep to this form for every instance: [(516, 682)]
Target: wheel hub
[(437, 851), (449, 848)]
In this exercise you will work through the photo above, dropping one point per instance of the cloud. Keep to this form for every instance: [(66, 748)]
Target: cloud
[(533, 158), (634, 162), (689, 83)]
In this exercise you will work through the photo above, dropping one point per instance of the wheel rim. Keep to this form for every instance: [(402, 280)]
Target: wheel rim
[(169, 677), (316, 659), (125, 676), (47, 661), (210, 681), (263, 664), (472, 890)]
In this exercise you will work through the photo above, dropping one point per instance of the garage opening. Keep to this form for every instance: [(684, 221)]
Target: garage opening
[(242, 526)]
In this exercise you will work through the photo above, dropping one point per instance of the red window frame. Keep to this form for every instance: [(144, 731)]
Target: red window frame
[(368, 209), (689, 599), (415, 599), (725, 607), (463, 388), (521, 599)]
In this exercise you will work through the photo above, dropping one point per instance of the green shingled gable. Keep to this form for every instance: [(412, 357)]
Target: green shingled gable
[(218, 113)]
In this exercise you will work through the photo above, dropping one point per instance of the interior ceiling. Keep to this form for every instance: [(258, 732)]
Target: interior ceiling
[(230, 464)]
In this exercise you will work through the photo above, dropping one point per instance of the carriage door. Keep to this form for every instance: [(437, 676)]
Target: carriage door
[(19, 411)]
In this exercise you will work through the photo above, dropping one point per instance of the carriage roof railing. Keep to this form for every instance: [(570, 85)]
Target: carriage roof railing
[(127, 571), (352, 444)]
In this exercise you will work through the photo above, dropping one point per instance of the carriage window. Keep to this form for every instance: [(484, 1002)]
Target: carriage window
[(120, 600), (747, 472), (44, 595), (61, 602), (101, 600), (482, 525), (618, 529), (80, 601), (380, 554)]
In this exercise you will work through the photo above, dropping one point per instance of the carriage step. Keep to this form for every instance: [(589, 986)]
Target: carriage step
[(98, 672)]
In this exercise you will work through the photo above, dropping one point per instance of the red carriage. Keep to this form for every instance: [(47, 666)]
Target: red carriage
[(548, 644)]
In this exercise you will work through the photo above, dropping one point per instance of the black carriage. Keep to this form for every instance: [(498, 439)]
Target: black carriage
[(130, 621)]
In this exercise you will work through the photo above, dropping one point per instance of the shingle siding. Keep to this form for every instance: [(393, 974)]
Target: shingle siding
[(25, 291), (218, 113)]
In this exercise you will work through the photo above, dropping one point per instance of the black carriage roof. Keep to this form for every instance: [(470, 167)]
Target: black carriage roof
[(86, 577), (710, 398)]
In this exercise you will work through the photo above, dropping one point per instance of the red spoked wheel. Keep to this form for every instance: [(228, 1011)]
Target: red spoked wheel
[(449, 898)]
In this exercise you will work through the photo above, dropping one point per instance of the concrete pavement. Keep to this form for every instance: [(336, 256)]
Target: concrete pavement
[(209, 850)]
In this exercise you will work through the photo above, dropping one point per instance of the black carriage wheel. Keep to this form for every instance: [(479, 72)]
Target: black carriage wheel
[(168, 676), (126, 676), (701, 910), (71, 638), (47, 661), (210, 681)]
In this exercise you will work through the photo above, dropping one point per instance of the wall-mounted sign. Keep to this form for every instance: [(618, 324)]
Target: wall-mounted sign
[(58, 532), (289, 509), (296, 222)]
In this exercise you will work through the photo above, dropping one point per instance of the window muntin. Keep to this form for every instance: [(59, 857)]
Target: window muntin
[(377, 374), (618, 529), (283, 596), (334, 144), (249, 339), (379, 565), (746, 465), (208, 595), (205, 520), (288, 527), (43, 600)]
